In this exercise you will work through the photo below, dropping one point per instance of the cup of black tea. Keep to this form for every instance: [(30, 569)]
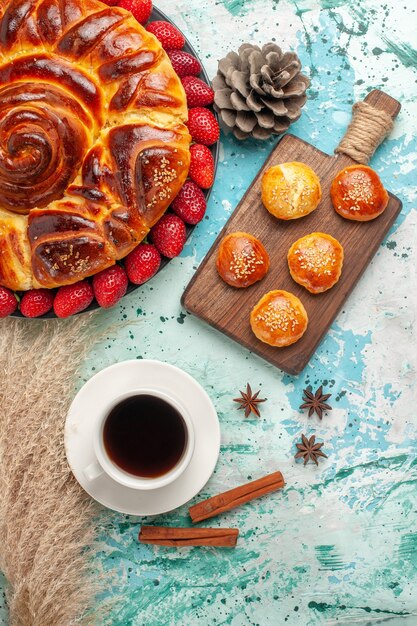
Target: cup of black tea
[(144, 440)]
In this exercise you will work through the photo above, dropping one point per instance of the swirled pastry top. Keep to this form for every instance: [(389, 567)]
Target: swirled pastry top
[(93, 142)]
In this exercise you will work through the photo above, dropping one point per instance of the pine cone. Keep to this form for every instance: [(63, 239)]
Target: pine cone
[(259, 92)]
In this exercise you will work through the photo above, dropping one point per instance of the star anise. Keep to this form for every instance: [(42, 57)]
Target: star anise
[(308, 449), (316, 402), (249, 401)]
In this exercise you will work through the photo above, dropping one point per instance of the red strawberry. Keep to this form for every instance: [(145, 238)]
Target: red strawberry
[(169, 235), (142, 263), (71, 299), (110, 285), (190, 204), (201, 166), (8, 302), (36, 302), (198, 93), (110, 3), (203, 126), (140, 9), (169, 36), (183, 63)]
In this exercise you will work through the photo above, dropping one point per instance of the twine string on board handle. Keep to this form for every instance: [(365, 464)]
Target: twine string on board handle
[(372, 121)]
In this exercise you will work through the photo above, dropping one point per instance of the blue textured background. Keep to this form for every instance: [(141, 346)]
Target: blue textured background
[(339, 545)]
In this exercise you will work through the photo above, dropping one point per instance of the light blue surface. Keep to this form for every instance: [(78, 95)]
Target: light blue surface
[(339, 545)]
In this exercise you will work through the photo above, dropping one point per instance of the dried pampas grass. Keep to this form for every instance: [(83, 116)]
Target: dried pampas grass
[(46, 530)]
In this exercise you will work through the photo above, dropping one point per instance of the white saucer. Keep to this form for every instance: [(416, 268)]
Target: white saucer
[(118, 379)]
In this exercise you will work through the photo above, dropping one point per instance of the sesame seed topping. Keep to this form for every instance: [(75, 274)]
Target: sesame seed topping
[(164, 175), (244, 263), (292, 197), (280, 316), (316, 257), (359, 191)]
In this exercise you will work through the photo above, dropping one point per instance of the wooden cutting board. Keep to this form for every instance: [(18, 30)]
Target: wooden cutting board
[(227, 309)]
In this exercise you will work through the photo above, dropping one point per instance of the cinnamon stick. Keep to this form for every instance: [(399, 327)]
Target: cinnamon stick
[(164, 536), (235, 497)]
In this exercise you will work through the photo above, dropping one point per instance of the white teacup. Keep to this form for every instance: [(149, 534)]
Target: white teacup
[(105, 465)]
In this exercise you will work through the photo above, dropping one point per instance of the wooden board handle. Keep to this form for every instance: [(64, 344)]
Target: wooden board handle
[(372, 121)]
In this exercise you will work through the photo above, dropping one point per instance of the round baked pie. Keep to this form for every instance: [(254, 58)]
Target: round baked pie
[(279, 318), (315, 261), (93, 141), (358, 194), (241, 260), (290, 190)]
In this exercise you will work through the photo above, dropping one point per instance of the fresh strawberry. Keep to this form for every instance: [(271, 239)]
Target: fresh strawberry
[(198, 93), (8, 302), (169, 36), (183, 63), (203, 126), (140, 9), (110, 285), (36, 302), (110, 3), (169, 235), (201, 166), (71, 299), (142, 263), (190, 203)]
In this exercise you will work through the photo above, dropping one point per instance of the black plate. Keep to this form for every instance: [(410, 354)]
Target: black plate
[(156, 15)]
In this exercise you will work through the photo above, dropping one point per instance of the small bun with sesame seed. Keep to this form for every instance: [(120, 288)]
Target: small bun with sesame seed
[(315, 261), (279, 319), (290, 190), (358, 194), (241, 260)]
